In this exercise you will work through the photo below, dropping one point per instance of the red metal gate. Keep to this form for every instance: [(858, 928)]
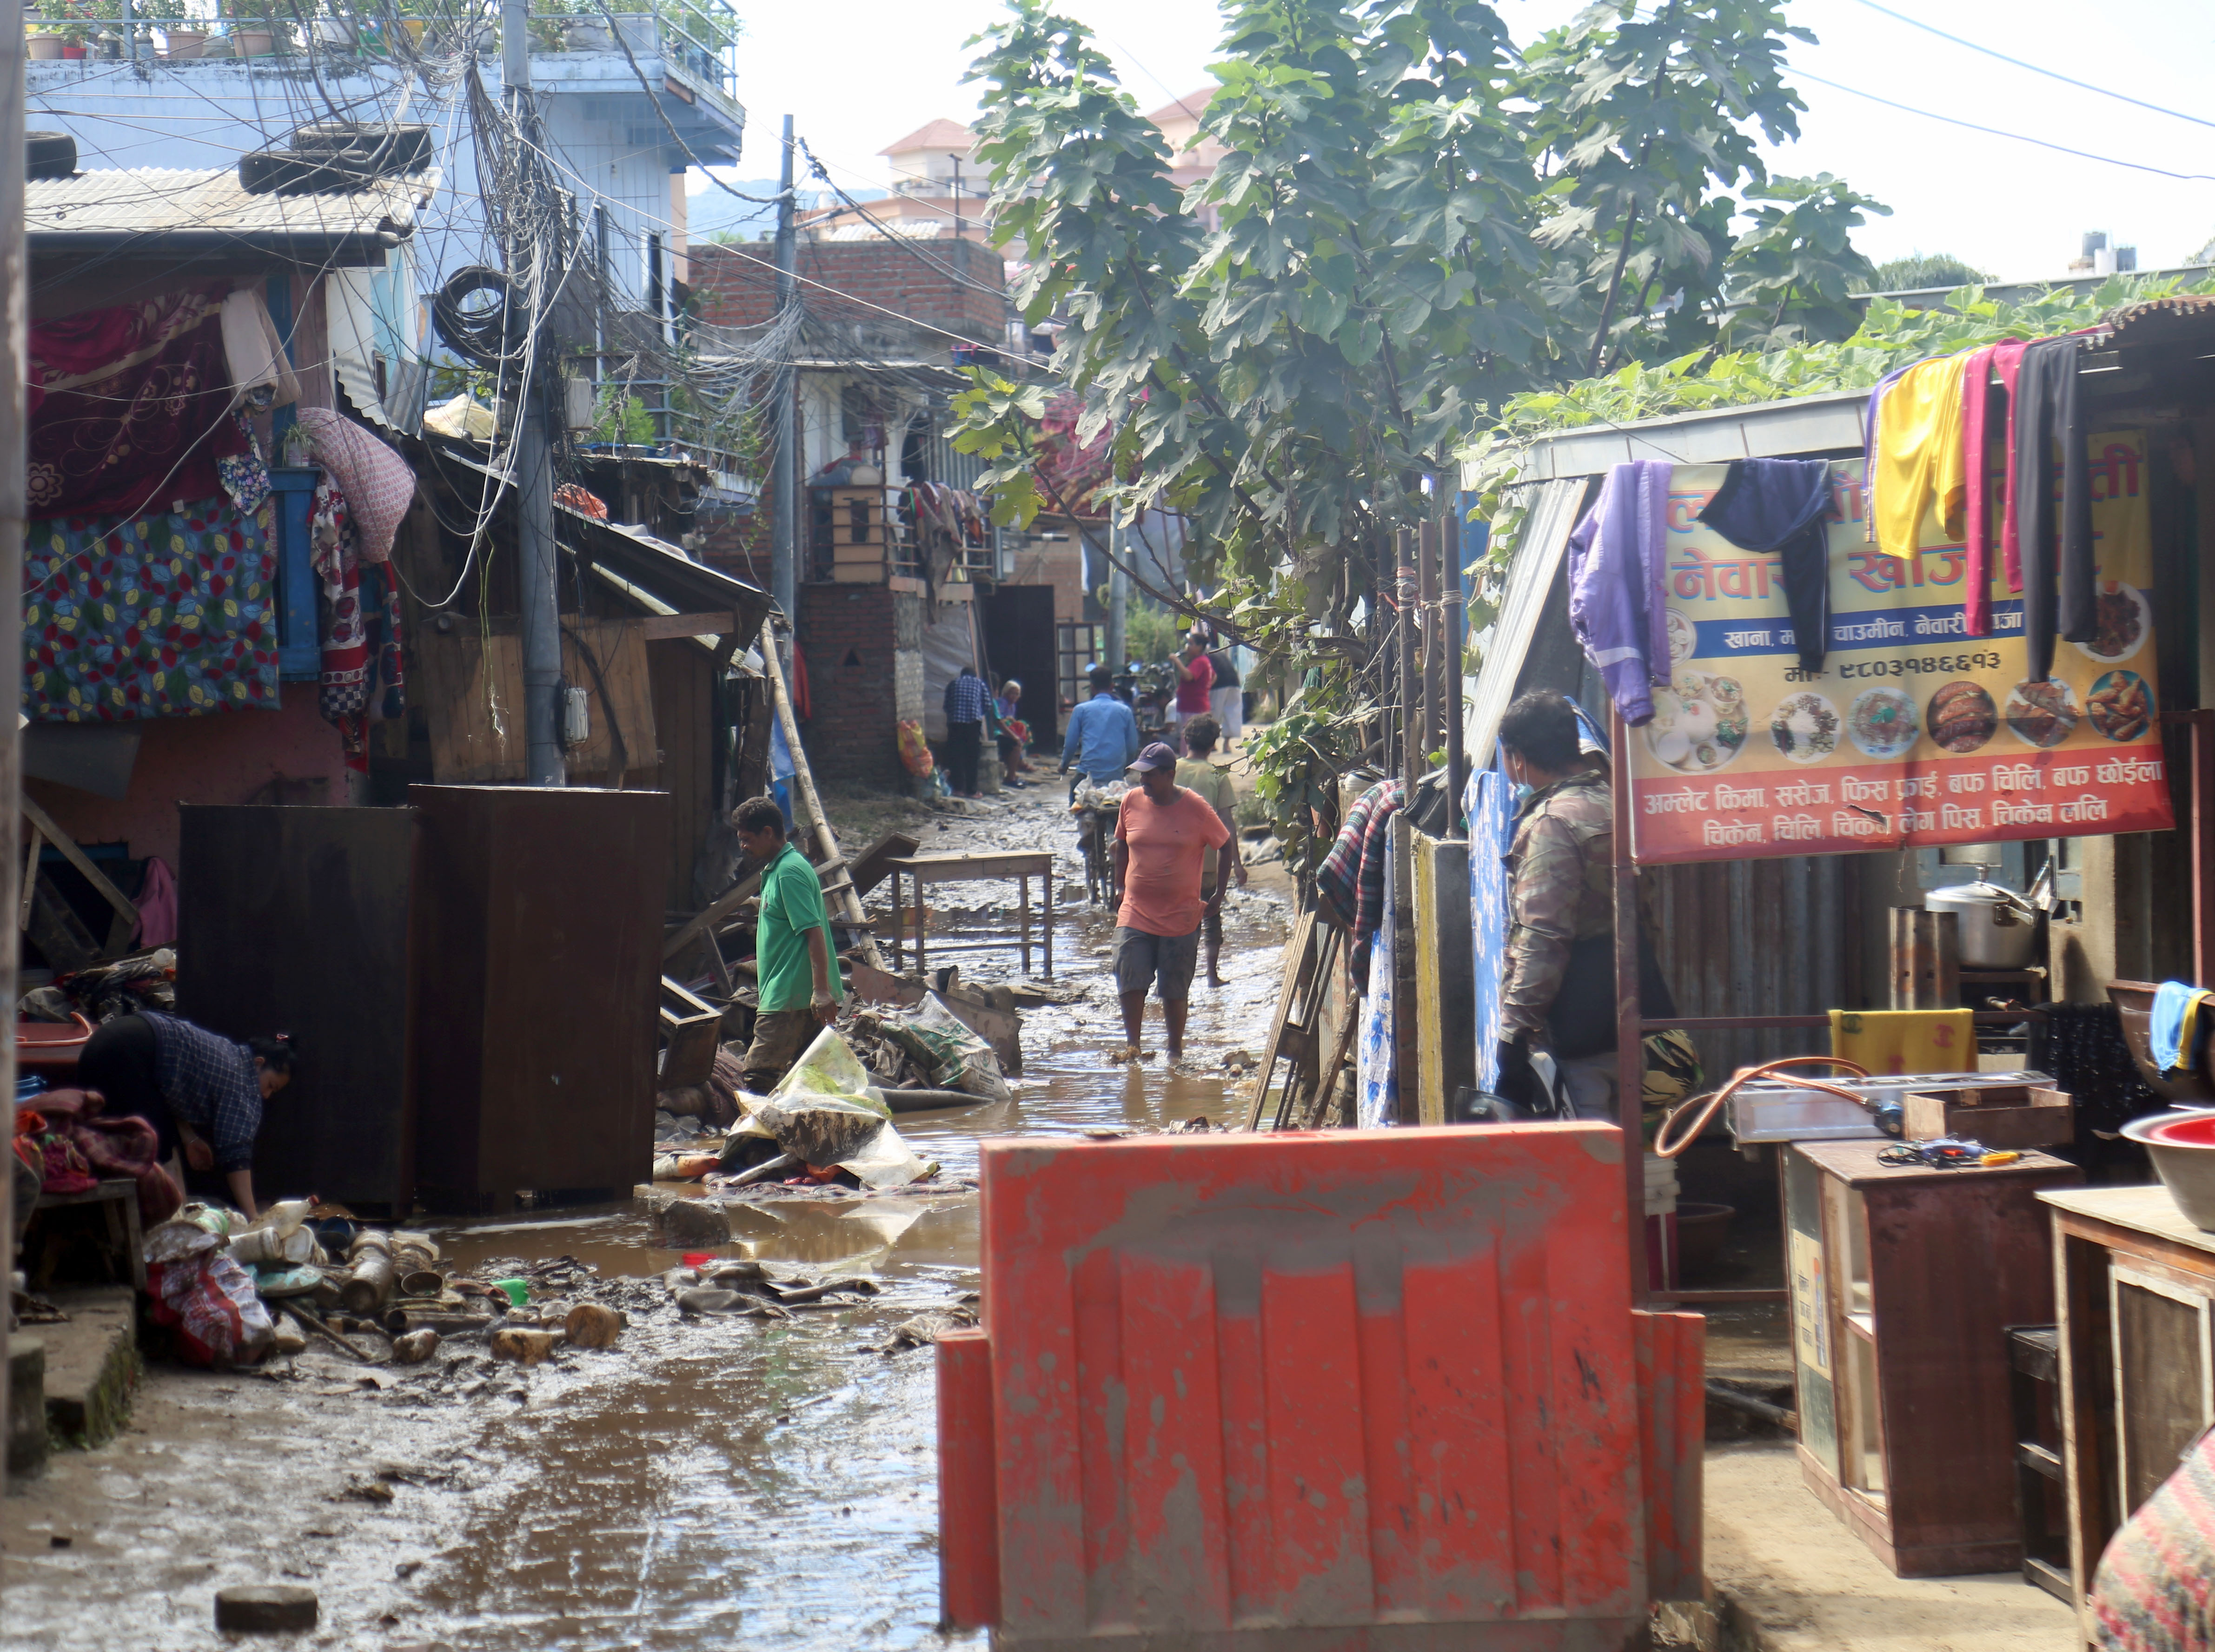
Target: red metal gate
[(1377, 1382)]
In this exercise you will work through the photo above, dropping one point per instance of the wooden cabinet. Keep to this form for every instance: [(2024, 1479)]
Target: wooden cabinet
[(1904, 1280), (2137, 1285), (537, 965)]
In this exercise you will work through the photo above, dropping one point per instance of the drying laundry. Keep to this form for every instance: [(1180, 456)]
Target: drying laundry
[(1919, 464), (1616, 560), (2003, 358), (260, 377), (2057, 559), (1784, 505)]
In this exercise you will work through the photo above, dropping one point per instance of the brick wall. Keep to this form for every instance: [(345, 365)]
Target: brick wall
[(731, 289), (864, 644), (1056, 565)]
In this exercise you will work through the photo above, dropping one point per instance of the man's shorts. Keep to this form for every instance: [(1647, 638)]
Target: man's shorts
[(1164, 963)]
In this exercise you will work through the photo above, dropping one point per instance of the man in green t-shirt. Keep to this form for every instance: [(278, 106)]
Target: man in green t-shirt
[(799, 981)]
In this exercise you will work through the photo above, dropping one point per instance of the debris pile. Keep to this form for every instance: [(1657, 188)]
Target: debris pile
[(231, 1296)]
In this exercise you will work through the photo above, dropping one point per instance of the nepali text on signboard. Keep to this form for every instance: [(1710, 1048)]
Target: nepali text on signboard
[(1913, 733)]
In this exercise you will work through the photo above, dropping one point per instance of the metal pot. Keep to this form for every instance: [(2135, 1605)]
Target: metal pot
[(1999, 930)]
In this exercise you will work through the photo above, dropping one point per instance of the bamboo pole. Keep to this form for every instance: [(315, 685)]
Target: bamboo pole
[(849, 904)]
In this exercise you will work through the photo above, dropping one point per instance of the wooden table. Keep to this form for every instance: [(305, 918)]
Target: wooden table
[(2136, 1283), (1019, 865), (119, 1194)]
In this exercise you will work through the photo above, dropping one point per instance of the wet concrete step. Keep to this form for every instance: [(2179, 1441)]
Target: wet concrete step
[(91, 1363), (26, 1406)]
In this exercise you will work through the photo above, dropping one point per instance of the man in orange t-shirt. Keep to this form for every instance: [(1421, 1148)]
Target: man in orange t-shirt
[(1163, 836)]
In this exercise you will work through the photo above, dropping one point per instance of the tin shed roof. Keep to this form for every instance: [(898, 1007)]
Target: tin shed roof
[(150, 210)]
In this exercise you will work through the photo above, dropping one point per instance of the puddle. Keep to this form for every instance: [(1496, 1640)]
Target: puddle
[(710, 1482)]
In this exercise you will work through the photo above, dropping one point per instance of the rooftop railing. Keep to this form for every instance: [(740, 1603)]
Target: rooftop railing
[(698, 36)]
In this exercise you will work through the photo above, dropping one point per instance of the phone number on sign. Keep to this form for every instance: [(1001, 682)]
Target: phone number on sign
[(1908, 667)]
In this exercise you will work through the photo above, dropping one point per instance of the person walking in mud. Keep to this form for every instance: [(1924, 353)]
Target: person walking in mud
[(1196, 771), (800, 986), (1163, 836)]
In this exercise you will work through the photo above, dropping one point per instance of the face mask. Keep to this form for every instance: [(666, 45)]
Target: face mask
[(1522, 794)]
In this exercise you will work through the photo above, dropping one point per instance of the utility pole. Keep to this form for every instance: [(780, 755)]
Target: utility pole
[(528, 280), (784, 551), (1406, 593), (15, 505), (1118, 593), (957, 196), (1456, 712)]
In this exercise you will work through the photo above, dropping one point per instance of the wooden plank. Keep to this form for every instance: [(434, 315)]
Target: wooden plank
[(957, 868), (875, 862), (475, 708), (661, 628), (1297, 956), (622, 690), (847, 905), (61, 840), (723, 905)]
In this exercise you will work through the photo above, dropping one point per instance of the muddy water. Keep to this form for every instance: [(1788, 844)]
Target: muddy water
[(741, 1484), (714, 1484)]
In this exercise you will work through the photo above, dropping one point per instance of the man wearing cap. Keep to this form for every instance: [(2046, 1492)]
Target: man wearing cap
[(1163, 836)]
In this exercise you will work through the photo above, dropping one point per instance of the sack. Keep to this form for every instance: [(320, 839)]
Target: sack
[(914, 750), (207, 1299)]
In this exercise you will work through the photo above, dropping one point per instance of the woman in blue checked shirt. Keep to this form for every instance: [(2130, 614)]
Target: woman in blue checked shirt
[(202, 1092)]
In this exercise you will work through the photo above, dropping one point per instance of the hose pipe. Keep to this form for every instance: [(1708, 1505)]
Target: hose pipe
[(1705, 1107)]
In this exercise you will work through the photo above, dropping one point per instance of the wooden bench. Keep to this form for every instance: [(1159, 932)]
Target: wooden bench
[(119, 1194), (1020, 865)]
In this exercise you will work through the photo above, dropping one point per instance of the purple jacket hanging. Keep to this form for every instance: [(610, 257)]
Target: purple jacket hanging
[(1616, 560)]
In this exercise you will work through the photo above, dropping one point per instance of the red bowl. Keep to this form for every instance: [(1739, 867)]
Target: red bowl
[(2195, 1132)]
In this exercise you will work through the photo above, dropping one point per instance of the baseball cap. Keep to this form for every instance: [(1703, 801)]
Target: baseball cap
[(1155, 756)]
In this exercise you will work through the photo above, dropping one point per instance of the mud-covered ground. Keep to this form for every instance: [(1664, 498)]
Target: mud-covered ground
[(725, 1483)]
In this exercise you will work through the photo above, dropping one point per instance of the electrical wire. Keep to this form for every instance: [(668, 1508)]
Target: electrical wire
[(1994, 132), (2051, 74)]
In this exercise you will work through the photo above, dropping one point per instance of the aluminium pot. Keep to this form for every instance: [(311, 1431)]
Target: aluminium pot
[(1999, 930)]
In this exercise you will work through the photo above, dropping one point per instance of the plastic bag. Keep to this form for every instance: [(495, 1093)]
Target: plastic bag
[(826, 1113), (953, 1056), (914, 750)]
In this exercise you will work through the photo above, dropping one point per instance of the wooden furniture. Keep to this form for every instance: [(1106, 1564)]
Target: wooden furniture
[(1905, 1281), (2034, 1403), (2012, 1116), (118, 1197), (295, 919), (1019, 865), (535, 981), (2136, 1287)]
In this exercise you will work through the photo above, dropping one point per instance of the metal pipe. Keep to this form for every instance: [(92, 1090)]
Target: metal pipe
[(784, 551), (1457, 710), (15, 509), (1118, 594), (1630, 1053), (1425, 632), (1406, 594)]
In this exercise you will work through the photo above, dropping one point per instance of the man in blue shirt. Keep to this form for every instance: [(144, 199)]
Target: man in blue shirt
[(1103, 736)]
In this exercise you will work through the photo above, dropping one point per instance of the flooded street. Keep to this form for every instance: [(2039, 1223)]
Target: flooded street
[(715, 1483)]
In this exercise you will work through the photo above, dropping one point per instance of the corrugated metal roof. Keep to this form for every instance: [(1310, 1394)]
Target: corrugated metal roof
[(1825, 422), (146, 203)]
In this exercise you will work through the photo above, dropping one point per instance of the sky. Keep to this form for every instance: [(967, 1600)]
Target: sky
[(2010, 207)]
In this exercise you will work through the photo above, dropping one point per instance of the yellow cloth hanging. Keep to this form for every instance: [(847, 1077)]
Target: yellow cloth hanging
[(1921, 460), (1905, 1041)]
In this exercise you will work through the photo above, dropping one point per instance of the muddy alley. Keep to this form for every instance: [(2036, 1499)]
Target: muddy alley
[(708, 1482)]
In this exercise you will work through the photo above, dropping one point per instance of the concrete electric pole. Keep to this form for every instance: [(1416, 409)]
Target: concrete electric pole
[(784, 551), (543, 761)]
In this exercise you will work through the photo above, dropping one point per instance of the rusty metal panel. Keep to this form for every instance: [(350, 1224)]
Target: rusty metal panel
[(295, 919), (1380, 1381), (1774, 937), (1673, 1421)]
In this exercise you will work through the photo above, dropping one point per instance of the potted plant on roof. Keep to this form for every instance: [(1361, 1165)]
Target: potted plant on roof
[(250, 36)]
